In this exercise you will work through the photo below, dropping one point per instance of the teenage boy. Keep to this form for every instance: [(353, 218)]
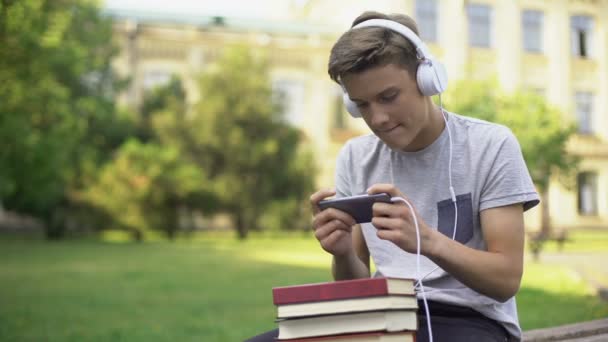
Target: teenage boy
[(465, 179)]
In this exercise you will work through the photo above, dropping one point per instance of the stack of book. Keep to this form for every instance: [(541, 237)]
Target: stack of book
[(371, 309)]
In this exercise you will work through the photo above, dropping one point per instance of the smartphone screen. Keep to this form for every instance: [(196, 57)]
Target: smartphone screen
[(359, 207)]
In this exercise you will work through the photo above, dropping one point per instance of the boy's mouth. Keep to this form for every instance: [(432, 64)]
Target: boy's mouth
[(388, 130)]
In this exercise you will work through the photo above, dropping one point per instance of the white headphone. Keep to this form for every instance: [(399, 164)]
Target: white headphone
[(431, 76)]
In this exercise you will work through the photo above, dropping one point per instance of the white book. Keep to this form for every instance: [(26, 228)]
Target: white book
[(347, 305), (397, 320), (378, 336)]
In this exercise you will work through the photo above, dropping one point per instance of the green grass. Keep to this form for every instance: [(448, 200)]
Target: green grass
[(207, 289), (215, 290), (554, 295), (581, 240)]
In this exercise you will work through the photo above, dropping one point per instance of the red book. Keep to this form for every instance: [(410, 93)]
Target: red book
[(342, 289)]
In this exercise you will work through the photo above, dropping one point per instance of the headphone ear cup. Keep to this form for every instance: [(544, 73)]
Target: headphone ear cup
[(351, 107), (432, 78)]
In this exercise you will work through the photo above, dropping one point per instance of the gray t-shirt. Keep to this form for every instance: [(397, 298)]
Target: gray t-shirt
[(488, 171)]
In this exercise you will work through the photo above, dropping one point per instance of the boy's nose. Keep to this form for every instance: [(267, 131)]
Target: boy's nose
[(378, 116)]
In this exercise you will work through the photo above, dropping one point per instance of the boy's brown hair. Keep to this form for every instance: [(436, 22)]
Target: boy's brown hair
[(360, 49)]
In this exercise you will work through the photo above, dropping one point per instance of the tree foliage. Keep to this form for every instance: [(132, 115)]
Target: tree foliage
[(57, 115), (144, 187), (238, 135), (541, 129), (231, 153), (70, 156), (150, 182)]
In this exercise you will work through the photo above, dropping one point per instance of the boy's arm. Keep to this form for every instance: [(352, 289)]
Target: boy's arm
[(496, 272), (354, 265)]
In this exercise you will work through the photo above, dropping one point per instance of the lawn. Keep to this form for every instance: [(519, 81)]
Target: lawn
[(211, 289)]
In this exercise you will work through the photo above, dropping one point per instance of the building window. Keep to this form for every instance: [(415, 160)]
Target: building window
[(426, 18), (480, 20), (536, 91), (532, 30), (155, 78), (587, 193), (540, 92), (290, 93), (581, 27), (583, 102)]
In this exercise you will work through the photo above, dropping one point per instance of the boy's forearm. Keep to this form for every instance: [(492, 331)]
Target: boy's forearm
[(492, 274), (348, 267)]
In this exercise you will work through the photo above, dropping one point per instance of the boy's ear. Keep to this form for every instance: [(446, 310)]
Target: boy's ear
[(431, 77), (351, 107)]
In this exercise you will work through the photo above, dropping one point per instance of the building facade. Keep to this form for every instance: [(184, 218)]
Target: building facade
[(557, 48)]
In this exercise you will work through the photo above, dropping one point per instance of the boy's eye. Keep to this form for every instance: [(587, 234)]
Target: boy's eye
[(389, 97)]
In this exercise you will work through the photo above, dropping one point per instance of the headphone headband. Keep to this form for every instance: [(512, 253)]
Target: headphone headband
[(431, 76), (421, 49)]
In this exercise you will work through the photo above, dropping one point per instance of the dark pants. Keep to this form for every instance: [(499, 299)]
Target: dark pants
[(448, 322)]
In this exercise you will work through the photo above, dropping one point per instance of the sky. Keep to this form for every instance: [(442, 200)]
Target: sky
[(275, 9)]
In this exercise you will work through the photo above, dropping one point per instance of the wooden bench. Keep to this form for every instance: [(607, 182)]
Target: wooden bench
[(592, 331)]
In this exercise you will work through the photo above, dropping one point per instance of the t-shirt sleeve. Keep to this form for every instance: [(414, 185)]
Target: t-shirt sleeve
[(508, 181), (342, 175)]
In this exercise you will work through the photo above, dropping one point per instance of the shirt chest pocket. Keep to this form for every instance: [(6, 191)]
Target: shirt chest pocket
[(447, 213)]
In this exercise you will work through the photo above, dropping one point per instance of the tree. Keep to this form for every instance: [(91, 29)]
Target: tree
[(540, 128), (237, 135), (151, 181), (167, 101), (144, 187), (230, 153), (57, 115)]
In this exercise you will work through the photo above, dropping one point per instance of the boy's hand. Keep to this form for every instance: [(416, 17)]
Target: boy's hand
[(395, 221), (332, 227)]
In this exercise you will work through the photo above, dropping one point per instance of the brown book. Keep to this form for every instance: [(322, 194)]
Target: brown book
[(403, 336), (375, 303), (370, 321), (342, 289)]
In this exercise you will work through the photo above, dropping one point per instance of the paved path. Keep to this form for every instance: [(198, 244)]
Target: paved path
[(591, 266)]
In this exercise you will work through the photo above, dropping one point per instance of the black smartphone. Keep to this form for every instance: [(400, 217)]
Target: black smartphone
[(359, 207)]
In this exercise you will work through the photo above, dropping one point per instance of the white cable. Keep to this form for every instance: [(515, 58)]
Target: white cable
[(419, 283), (451, 187), (447, 126)]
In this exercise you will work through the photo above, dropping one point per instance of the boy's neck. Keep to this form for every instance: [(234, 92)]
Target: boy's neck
[(431, 131)]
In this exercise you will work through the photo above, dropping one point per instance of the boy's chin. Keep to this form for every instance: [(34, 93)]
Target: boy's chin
[(400, 145), (395, 145)]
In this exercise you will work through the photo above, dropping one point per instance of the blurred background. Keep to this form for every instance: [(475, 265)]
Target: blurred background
[(157, 157)]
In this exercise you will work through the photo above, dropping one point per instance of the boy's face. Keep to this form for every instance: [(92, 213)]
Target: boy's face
[(393, 107)]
